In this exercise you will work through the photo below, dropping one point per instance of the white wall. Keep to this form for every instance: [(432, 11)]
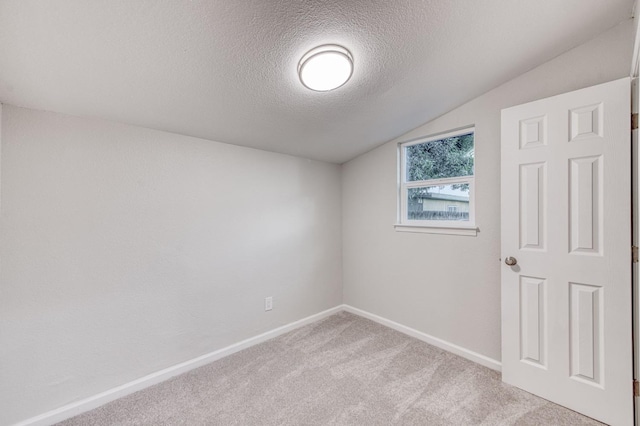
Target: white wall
[(449, 286), (126, 250)]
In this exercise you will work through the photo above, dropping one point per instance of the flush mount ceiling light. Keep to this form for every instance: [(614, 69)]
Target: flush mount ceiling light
[(325, 68)]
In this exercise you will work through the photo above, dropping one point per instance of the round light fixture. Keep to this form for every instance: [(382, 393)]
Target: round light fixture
[(325, 67)]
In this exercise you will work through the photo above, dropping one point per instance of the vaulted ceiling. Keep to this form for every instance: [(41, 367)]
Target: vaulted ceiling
[(225, 70)]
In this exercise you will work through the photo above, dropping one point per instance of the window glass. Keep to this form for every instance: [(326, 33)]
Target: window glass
[(437, 181), (438, 159), (442, 202)]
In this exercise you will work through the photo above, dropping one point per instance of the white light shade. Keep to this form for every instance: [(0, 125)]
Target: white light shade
[(325, 68)]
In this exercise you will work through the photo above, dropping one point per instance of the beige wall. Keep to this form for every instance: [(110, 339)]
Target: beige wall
[(127, 250), (443, 285)]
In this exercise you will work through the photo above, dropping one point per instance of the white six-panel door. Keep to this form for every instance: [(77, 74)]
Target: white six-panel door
[(566, 219)]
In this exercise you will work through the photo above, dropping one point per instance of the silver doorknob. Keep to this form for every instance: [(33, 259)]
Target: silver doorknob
[(511, 261)]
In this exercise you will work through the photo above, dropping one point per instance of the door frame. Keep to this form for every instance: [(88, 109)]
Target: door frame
[(635, 205), (635, 230)]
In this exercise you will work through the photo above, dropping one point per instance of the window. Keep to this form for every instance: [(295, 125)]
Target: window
[(437, 183)]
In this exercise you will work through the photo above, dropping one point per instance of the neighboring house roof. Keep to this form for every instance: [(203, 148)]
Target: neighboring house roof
[(446, 197)]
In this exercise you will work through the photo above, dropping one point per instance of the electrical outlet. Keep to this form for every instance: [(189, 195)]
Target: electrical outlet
[(268, 303)]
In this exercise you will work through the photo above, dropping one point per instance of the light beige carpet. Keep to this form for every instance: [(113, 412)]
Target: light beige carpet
[(344, 370)]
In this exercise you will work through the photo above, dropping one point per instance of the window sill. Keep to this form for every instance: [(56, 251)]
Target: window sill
[(469, 231)]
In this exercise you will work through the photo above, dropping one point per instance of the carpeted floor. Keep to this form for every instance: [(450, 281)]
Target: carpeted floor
[(343, 370)]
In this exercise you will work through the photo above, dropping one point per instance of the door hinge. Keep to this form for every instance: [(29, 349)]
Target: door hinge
[(634, 121), (634, 254), (636, 388)]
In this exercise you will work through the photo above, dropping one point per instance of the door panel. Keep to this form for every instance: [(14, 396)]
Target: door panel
[(533, 320), (585, 205), (533, 206), (566, 217), (586, 333)]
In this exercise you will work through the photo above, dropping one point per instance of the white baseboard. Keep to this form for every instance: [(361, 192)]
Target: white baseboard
[(95, 401), (442, 344)]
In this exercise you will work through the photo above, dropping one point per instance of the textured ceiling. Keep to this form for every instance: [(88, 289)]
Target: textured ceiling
[(226, 70)]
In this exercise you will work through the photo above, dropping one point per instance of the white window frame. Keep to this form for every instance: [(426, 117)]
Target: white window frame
[(434, 226)]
